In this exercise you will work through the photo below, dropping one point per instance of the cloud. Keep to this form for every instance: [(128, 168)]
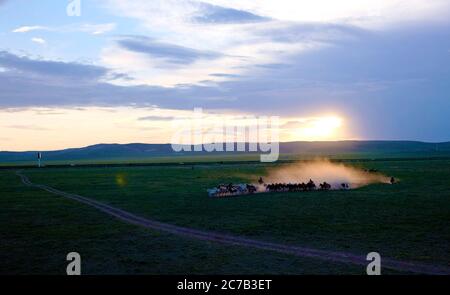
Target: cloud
[(224, 75), (31, 82), (97, 29), (187, 49), (25, 65), (47, 112), (41, 83), (94, 29), (300, 59), (293, 124), (363, 13), (203, 43), (26, 29), (310, 33), (212, 14), (39, 40), (156, 118), (153, 62), (169, 52)]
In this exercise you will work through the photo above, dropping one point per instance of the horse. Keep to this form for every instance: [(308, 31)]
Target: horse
[(311, 185), (251, 189), (325, 186)]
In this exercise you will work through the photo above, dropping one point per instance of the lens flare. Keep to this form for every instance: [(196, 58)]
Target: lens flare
[(121, 180)]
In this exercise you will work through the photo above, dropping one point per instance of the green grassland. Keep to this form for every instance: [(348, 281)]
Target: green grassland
[(229, 158), (407, 221), (38, 229), (140, 153)]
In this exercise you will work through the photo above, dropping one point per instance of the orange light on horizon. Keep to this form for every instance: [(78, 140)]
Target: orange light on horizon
[(314, 128)]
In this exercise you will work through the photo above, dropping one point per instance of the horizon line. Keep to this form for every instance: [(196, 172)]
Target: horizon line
[(280, 142)]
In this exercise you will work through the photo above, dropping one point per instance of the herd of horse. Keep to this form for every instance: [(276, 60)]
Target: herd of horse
[(297, 187), (224, 190)]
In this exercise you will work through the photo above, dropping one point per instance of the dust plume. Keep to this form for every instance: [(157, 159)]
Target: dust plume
[(323, 170)]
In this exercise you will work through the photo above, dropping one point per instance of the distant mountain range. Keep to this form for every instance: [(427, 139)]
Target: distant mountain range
[(141, 150)]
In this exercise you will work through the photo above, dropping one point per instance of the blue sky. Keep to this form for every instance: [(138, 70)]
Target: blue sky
[(382, 66)]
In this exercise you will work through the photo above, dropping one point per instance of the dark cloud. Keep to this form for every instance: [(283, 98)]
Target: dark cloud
[(273, 66), (36, 83), (168, 52), (223, 75), (288, 32), (211, 14), (25, 65)]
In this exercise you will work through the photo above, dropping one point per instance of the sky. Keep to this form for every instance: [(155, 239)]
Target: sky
[(112, 71)]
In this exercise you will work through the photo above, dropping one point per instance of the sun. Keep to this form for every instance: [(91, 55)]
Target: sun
[(315, 128), (325, 127)]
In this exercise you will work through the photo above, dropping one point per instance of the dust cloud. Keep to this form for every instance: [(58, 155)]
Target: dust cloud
[(323, 170)]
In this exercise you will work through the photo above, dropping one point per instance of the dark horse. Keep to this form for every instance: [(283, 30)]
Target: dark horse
[(251, 189), (311, 185), (325, 186)]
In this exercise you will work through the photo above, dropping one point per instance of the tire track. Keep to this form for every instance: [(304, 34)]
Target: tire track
[(341, 257)]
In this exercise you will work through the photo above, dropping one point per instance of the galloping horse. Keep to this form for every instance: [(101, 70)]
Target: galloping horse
[(311, 185), (325, 186)]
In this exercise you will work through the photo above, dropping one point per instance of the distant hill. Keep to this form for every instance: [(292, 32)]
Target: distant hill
[(333, 147), (141, 150)]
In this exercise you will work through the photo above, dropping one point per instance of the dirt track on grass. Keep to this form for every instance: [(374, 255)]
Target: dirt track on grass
[(332, 256)]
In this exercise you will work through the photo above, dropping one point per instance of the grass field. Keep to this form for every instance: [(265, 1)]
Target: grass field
[(406, 221), (230, 158)]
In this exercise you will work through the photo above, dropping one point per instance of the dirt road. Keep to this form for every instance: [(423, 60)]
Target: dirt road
[(332, 256)]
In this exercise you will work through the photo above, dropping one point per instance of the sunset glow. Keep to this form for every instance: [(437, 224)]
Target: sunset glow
[(322, 128), (123, 70)]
